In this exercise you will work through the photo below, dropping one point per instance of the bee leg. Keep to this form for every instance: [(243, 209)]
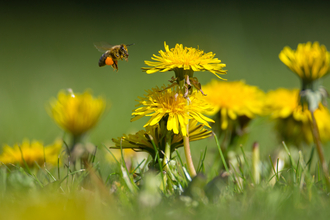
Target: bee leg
[(115, 65)]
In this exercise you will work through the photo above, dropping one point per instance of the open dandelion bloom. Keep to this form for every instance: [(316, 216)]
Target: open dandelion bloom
[(186, 58), (33, 152), (233, 99), (309, 61), (170, 104), (283, 105), (322, 117), (141, 141), (76, 113)]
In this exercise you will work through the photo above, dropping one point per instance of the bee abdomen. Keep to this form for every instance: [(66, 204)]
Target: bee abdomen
[(103, 58)]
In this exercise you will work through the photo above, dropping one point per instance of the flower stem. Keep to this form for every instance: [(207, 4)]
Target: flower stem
[(187, 152), (182, 77), (317, 140), (167, 156), (190, 164)]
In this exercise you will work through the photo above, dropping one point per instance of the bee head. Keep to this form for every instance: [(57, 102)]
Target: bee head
[(123, 48)]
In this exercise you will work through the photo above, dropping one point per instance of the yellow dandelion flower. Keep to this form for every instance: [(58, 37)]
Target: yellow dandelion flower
[(283, 105), (170, 104), (234, 99), (76, 113), (186, 58), (33, 152), (322, 117), (309, 61), (141, 141)]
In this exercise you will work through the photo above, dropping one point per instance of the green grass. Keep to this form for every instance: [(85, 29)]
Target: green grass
[(83, 193)]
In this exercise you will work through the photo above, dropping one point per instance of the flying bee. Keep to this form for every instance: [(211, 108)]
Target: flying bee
[(111, 54)]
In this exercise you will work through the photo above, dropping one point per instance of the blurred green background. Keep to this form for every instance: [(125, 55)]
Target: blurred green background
[(46, 47)]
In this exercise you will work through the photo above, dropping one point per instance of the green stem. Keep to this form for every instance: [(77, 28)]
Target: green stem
[(317, 140), (167, 156), (168, 142)]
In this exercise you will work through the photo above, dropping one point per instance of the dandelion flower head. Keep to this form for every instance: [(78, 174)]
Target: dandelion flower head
[(33, 152), (234, 99), (162, 103), (309, 61), (186, 58), (76, 113), (283, 103)]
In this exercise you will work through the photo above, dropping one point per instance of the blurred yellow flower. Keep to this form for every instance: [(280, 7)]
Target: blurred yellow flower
[(141, 141), (172, 106), (309, 61), (283, 105), (322, 117), (76, 113), (186, 58), (33, 152), (233, 99)]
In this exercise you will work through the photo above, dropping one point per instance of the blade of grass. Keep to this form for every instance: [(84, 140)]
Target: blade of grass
[(131, 184), (288, 152), (309, 162), (26, 166), (247, 164), (272, 164), (201, 161), (159, 161), (318, 172), (108, 178), (236, 178), (240, 167), (6, 166), (138, 166), (220, 151), (182, 170), (58, 169), (46, 176), (113, 156), (186, 174), (180, 159), (297, 170)]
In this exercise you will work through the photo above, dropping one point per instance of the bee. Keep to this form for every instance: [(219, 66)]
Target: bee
[(111, 54)]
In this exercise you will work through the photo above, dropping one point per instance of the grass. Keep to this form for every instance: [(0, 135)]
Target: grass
[(93, 191)]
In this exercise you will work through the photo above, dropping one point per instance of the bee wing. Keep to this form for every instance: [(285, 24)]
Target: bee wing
[(102, 46)]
